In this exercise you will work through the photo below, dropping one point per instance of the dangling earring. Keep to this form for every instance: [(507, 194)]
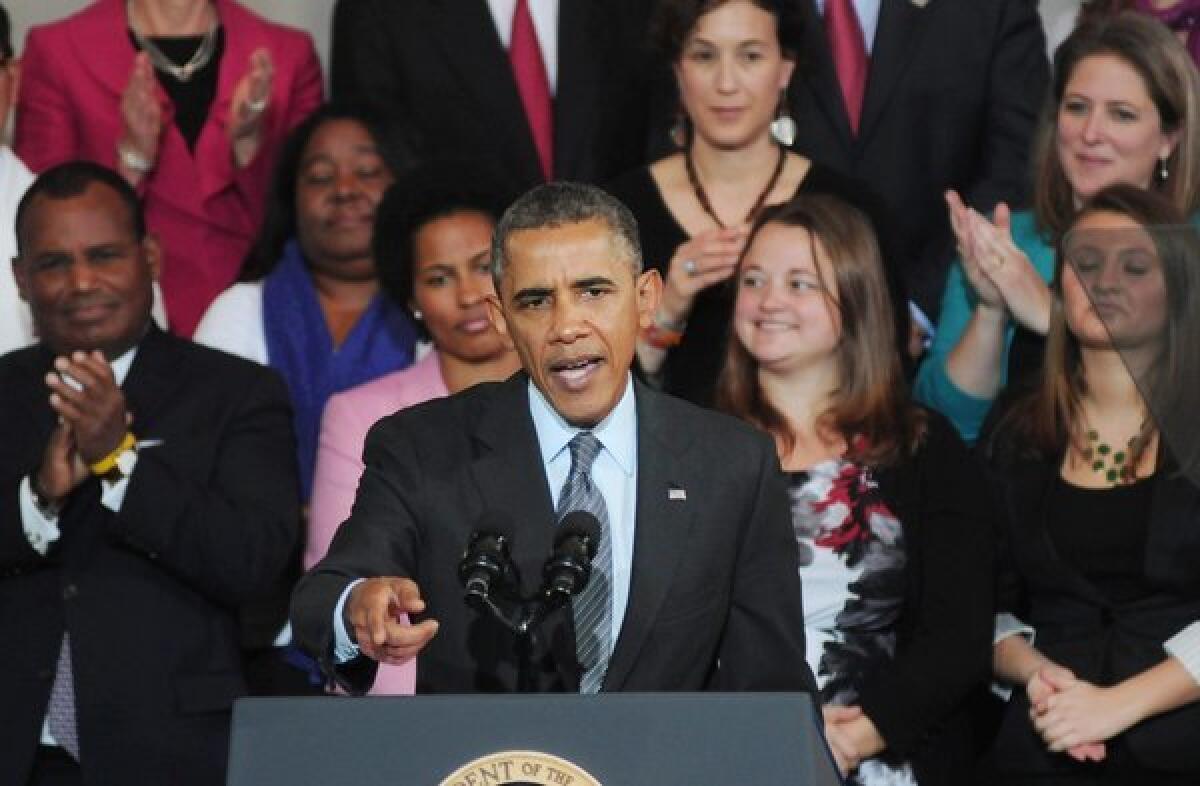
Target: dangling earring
[(1163, 174), (679, 130), (783, 127), (417, 315)]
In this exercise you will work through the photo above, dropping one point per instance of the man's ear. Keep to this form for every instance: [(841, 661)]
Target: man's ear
[(152, 254), (649, 292), (496, 314)]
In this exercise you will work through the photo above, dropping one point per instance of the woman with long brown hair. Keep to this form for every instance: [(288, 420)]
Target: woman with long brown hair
[(886, 502), (1125, 108), (1096, 469)]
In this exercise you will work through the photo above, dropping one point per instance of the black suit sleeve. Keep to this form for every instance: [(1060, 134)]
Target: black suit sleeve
[(380, 538), (763, 643), (1017, 86), (948, 647), (228, 534)]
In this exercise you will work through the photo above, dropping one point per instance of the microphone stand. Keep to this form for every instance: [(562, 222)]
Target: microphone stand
[(523, 623)]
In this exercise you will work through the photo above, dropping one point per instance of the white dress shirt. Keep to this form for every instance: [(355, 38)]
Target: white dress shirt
[(545, 24)]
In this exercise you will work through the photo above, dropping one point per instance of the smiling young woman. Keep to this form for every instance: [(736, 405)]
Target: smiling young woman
[(887, 505)]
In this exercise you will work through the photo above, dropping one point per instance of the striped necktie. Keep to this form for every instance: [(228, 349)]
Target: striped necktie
[(592, 608)]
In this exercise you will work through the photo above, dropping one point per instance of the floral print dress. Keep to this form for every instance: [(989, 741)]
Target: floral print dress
[(852, 563)]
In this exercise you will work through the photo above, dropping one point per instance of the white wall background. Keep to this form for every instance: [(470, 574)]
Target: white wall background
[(311, 15)]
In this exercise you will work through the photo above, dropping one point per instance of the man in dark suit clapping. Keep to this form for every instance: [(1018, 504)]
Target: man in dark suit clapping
[(147, 489), (695, 584)]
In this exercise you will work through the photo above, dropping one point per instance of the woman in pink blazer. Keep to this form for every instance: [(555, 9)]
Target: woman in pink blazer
[(433, 233), (190, 104)]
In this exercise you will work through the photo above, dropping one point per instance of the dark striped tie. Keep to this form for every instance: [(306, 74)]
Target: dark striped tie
[(593, 607)]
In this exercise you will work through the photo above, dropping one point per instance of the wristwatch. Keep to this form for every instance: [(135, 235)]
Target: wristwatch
[(50, 508)]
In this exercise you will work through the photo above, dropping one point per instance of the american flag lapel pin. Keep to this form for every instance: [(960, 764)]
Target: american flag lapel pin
[(676, 494)]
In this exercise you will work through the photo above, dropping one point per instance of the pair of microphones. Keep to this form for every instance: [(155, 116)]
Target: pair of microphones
[(487, 569)]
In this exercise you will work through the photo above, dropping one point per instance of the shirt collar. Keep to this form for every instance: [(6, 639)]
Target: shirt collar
[(617, 432), (120, 365)]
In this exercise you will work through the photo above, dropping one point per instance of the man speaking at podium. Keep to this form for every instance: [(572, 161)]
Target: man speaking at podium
[(694, 584)]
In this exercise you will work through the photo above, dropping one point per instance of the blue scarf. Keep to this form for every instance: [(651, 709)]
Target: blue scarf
[(300, 348)]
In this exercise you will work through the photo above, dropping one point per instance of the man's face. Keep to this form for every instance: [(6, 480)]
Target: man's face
[(573, 308), (85, 275)]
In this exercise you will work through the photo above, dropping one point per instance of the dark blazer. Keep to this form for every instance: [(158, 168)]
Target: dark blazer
[(149, 595), (715, 594), (952, 100), (919, 702), (1078, 627), (436, 70)]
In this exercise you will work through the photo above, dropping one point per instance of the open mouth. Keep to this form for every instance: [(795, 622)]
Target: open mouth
[(774, 326), (574, 375)]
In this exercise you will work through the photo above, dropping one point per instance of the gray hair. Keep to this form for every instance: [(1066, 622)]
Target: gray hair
[(559, 204)]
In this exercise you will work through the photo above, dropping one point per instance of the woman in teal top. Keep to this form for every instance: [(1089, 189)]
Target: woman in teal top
[(1125, 110)]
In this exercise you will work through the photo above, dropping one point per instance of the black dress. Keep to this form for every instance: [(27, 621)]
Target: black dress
[(690, 369), (1104, 577)]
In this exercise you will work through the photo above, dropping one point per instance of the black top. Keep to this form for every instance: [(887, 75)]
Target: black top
[(192, 99), (690, 370), (1102, 534)]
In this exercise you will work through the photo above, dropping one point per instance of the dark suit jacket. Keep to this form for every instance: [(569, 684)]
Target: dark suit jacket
[(436, 70), (715, 593), (149, 595), (1077, 626), (952, 99)]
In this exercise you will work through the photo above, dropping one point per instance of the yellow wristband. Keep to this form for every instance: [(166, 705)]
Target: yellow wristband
[(106, 464)]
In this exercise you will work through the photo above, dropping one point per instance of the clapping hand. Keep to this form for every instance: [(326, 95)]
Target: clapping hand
[(92, 421), (251, 98), (141, 113), (1000, 273)]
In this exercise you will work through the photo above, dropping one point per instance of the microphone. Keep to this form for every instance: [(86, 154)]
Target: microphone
[(486, 560), (570, 564)]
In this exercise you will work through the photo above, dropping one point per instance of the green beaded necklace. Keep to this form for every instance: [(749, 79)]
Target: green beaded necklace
[(1104, 460)]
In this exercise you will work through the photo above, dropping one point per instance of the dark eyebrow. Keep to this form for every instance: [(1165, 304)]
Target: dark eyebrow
[(437, 267), (593, 282), (532, 292)]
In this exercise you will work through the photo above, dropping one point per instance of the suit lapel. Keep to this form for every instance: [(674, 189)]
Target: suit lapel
[(509, 475), (109, 56), (817, 71), (661, 530), (467, 33), (578, 81), (151, 379), (897, 39)]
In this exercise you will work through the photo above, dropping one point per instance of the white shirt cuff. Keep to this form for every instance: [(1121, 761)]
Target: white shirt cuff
[(344, 650), (1005, 626), (1185, 645), (40, 530)]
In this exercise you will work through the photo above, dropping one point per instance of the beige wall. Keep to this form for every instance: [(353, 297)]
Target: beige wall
[(310, 15)]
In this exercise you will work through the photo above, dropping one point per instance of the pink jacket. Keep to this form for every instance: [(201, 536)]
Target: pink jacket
[(205, 211), (348, 417)]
